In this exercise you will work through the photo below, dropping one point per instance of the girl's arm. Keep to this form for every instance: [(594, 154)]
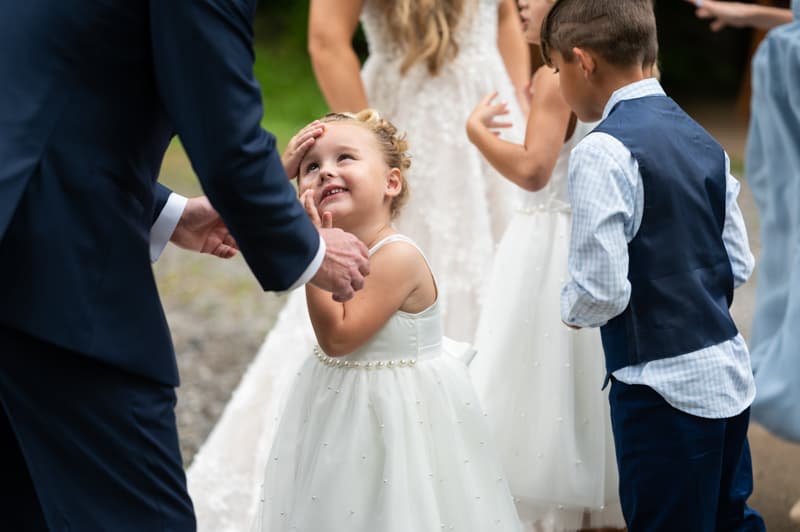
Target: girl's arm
[(341, 328), (529, 165), (741, 15), (331, 25), (513, 47)]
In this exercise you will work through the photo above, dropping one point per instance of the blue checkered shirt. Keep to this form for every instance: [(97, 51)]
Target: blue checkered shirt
[(605, 190)]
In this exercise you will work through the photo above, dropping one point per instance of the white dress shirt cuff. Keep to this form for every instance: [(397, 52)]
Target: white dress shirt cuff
[(312, 268), (165, 224)]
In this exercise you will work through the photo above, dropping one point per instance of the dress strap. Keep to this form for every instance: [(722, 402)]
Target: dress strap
[(397, 237)]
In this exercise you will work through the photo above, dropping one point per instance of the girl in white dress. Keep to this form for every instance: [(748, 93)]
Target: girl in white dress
[(458, 212), (382, 431), (538, 380)]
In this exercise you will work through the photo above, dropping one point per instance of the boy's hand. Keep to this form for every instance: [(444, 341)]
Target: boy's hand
[(485, 116), (299, 145)]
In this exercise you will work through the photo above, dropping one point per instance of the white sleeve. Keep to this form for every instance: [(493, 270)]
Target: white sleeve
[(734, 232), (165, 224)]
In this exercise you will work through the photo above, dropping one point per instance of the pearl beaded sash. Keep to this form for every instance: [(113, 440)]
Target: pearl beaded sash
[(344, 363)]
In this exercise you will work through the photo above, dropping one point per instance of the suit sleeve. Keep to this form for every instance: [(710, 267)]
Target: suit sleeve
[(161, 196), (203, 60)]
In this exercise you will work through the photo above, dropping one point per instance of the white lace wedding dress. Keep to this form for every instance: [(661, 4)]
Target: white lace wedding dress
[(457, 212), (459, 206)]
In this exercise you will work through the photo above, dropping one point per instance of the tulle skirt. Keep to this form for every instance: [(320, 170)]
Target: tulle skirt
[(392, 450), (540, 381)]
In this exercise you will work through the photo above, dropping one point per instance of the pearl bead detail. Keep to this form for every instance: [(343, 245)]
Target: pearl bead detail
[(338, 362)]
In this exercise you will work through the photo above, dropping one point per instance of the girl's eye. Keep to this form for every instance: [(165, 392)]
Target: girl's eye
[(556, 70), (344, 156), (310, 167)]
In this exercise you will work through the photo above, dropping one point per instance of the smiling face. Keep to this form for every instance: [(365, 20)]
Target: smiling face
[(348, 174), (532, 13)]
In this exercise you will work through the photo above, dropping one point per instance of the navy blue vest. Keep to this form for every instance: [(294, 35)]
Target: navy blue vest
[(679, 270)]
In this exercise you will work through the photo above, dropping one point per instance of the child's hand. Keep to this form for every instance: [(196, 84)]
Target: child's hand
[(299, 145), (325, 221), (485, 116)]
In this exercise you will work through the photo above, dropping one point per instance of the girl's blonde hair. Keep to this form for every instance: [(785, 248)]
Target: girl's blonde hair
[(393, 145), (425, 29)]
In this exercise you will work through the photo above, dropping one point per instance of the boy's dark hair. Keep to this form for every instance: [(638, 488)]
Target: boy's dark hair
[(623, 32)]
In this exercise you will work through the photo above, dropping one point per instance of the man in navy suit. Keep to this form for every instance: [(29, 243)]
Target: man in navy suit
[(91, 94)]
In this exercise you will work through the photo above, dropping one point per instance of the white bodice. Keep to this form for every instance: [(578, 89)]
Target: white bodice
[(403, 340)]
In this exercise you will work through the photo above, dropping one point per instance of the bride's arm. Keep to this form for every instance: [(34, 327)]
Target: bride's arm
[(513, 47), (331, 25)]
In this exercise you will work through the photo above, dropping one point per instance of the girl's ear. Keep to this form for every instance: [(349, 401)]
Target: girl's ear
[(394, 183), (585, 60)]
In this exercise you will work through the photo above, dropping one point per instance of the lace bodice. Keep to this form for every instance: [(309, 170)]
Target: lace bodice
[(554, 195), (404, 339)]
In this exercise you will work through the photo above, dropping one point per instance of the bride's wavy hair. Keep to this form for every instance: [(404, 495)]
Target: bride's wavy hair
[(425, 29), (392, 144)]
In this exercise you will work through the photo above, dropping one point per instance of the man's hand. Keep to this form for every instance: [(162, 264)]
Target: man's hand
[(346, 261), (345, 265), (299, 145), (201, 229)]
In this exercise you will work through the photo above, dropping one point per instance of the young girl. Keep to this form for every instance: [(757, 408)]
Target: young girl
[(539, 381), (382, 431)]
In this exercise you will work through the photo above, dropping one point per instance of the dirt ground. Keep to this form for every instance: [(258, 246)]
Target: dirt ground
[(219, 319)]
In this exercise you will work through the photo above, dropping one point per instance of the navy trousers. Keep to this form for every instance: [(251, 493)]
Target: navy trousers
[(85, 446), (679, 472)]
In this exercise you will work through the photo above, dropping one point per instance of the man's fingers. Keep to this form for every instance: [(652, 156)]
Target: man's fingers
[(356, 280), (343, 295), (327, 220)]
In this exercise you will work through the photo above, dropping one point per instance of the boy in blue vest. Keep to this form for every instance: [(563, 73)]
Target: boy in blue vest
[(658, 245)]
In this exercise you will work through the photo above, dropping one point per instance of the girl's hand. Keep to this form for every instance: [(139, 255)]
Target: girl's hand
[(485, 116), (299, 145), (325, 221)]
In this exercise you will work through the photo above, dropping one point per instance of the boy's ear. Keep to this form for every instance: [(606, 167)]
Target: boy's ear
[(585, 60), (394, 184)]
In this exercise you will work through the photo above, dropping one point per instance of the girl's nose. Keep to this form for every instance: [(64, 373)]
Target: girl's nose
[(326, 172)]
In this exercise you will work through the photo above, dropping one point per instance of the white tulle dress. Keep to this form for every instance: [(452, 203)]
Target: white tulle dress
[(390, 438), (540, 381), (457, 211)]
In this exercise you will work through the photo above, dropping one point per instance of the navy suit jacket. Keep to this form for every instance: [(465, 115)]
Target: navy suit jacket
[(91, 94)]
